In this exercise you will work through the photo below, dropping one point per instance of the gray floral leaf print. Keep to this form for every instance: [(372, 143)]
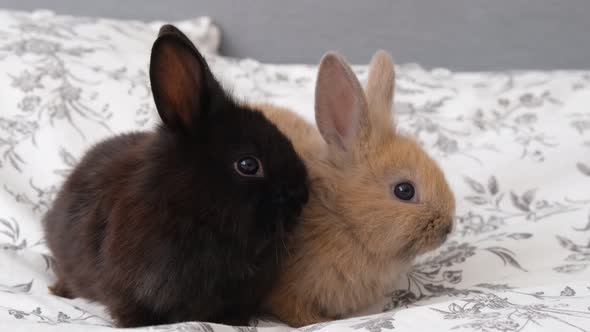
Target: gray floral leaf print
[(144, 114), (315, 327), (568, 291), (527, 205), (526, 119), (185, 327), (433, 290), (447, 144), (585, 169), (489, 326), (578, 259), (478, 200), (493, 185), (60, 68), (49, 262), (523, 202), (506, 256), (36, 46), (520, 236), (10, 231), (400, 298), (375, 325), (69, 160), (39, 201), (26, 81), (12, 134), (429, 279), (491, 313), (472, 223), (245, 329), (570, 245), (453, 276), (581, 125), (29, 103), (18, 314), (496, 287), (38, 315), (585, 228), (529, 196), (570, 268), (17, 289)]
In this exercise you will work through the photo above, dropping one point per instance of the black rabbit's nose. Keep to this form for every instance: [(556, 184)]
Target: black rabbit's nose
[(279, 197), (300, 193), (294, 194)]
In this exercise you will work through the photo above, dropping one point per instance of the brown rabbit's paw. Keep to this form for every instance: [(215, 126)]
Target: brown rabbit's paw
[(304, 318), (61, 289)]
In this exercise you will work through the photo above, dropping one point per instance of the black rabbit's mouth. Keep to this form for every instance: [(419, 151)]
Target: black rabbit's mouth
[(279, 218), (289, 215)]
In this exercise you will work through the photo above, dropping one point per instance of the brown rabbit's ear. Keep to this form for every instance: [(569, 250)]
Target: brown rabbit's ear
[(380, 84), (180, 78), (340, 105)]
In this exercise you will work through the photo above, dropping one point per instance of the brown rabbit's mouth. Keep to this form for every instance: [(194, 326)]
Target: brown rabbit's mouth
[(409, 251), (433, 234)]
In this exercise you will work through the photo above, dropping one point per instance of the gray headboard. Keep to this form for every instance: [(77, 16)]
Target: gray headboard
[(458, 34)]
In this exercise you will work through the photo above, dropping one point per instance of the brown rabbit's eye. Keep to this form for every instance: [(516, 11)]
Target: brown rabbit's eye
[(404, 191), (248, 166)]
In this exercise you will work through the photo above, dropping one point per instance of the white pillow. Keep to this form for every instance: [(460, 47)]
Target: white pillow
[(78, 78)]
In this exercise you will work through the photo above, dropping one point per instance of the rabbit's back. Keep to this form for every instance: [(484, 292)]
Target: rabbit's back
[(76, 225), (189, 222)]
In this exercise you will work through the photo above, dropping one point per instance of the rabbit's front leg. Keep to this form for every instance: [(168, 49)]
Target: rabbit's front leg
[(295, 312)]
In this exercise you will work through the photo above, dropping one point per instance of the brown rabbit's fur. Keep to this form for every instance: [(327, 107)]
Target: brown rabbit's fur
[(355, 238)]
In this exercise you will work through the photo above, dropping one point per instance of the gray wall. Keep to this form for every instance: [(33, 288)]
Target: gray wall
[(458, 34)]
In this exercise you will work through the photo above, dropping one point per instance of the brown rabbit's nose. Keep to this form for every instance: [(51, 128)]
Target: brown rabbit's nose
[(449, 227), (446, 231)]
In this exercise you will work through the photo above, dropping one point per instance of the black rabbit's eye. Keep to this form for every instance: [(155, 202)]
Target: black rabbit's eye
[(248, 166), (404, 191)]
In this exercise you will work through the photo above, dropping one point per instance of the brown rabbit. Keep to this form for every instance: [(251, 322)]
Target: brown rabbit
[(377, 200)]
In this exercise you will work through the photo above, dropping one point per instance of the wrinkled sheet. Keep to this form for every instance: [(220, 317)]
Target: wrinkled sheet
[(515, 147)]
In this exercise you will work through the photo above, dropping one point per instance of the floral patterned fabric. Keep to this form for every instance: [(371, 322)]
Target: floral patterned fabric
[(515, 147)]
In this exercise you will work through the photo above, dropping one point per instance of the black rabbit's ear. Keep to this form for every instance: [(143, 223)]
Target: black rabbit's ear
[(181, 81)]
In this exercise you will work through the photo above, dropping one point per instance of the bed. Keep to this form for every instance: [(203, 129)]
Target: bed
[(515, 146)]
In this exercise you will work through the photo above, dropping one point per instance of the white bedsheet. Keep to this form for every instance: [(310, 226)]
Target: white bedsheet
[(515, 148)]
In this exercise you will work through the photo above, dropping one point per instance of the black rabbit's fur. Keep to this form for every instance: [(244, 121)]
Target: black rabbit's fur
[(159, 226)]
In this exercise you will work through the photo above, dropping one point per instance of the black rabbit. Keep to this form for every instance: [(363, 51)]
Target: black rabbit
[(184, 223)]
